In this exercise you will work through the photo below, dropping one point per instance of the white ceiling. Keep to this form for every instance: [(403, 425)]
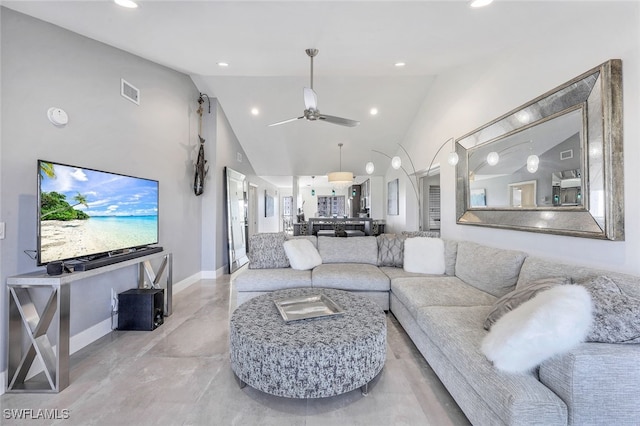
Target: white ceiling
[(359, 43)]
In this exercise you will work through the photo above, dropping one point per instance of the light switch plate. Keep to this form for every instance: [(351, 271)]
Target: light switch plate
[(1, 230)]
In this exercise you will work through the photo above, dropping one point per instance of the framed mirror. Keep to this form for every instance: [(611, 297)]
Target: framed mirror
[(237, 199), (553, 165)]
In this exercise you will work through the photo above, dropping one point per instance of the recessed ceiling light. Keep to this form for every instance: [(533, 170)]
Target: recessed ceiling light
[(400, 64), (223, 64), (373, 111), (480, 3), (126, 3), (255, 111)]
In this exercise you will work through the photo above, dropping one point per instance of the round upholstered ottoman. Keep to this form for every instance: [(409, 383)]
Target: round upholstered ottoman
[(308, 358)]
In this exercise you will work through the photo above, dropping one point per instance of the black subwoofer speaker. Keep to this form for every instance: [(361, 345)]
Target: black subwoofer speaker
[(140, 309)]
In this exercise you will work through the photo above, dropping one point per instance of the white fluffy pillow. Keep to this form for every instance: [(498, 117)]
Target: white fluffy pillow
[(551, 323), (302, 254), (424, 255)]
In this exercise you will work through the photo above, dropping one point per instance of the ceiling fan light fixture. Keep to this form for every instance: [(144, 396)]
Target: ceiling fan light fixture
[(311, 112)]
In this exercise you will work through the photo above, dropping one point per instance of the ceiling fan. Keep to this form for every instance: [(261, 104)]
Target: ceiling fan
[(311, 111)]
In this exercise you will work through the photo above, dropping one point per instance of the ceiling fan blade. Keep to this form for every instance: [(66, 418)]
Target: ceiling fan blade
[(310, 99), (285, 121), (338, 120)]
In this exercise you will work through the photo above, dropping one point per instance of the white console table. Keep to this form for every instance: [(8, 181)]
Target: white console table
[(24, 319)]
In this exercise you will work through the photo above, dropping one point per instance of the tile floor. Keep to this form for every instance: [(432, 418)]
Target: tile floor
[(179, 374)]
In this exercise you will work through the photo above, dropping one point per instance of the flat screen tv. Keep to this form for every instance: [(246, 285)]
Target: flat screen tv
[(85, 213)]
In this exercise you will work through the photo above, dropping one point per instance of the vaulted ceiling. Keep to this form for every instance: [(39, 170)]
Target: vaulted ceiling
[(359, 44)]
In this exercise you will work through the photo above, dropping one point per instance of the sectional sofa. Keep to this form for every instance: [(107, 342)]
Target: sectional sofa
[(445, 315)]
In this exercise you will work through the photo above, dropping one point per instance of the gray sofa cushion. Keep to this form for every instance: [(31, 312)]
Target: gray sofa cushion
[(390, 250), (271, 279), (348, 250), (597, 381), (350, 276), (517, 399), (266, 251), (393, 273), (489, 269), (434, 290), (535, 268)]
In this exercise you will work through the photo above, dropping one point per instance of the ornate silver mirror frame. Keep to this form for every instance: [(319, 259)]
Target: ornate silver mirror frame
[(597, 96), (236, 218)]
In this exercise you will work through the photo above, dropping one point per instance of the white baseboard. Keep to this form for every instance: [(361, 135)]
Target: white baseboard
[(88, 336), (212, 275), (183, 284)]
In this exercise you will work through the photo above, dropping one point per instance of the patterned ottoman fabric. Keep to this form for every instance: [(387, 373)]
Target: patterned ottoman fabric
[(311, 358)]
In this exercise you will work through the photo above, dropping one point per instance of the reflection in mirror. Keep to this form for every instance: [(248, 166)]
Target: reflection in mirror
[(554, 165), (567, 188), (532, 154), (236, 218)]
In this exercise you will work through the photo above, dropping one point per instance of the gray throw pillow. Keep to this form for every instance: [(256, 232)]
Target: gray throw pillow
[(616, 316), (390, 250), (266, 251), (429, 234), (517, 297)]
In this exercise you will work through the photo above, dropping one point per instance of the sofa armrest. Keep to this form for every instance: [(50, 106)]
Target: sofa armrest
[(598, 382)]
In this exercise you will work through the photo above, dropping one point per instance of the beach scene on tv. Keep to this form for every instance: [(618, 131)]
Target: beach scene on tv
[(86, 212)]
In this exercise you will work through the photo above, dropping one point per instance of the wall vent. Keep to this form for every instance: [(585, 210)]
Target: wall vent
[(566, 155), (130, 92)]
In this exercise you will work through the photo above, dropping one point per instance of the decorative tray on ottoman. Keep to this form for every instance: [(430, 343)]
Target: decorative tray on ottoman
[(299, 308)]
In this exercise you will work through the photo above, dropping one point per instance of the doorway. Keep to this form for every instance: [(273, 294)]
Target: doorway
[(430, 187), (522, 194)]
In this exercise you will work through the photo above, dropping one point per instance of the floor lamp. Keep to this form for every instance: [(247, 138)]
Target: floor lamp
[(396, 164)]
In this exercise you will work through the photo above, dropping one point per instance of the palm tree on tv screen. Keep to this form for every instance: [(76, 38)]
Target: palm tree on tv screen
[(54, 204)]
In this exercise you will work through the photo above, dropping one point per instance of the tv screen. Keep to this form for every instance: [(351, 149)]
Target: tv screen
[(84, 213)]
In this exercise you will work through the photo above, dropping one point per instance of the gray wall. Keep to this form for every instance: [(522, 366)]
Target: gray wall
[(155, 140)]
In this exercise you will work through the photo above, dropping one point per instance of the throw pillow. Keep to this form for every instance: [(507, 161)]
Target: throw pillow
[(302, 254), (390, 250), (266, 251), (553, 322), (412, 234), (616, 316), (517, 297), (424, 255)]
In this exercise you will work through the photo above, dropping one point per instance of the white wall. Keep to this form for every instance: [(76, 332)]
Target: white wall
[(271, 223), (463, 99), (154, 140)]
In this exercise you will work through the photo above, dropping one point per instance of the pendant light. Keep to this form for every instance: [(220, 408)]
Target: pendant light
[(340, 178)]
